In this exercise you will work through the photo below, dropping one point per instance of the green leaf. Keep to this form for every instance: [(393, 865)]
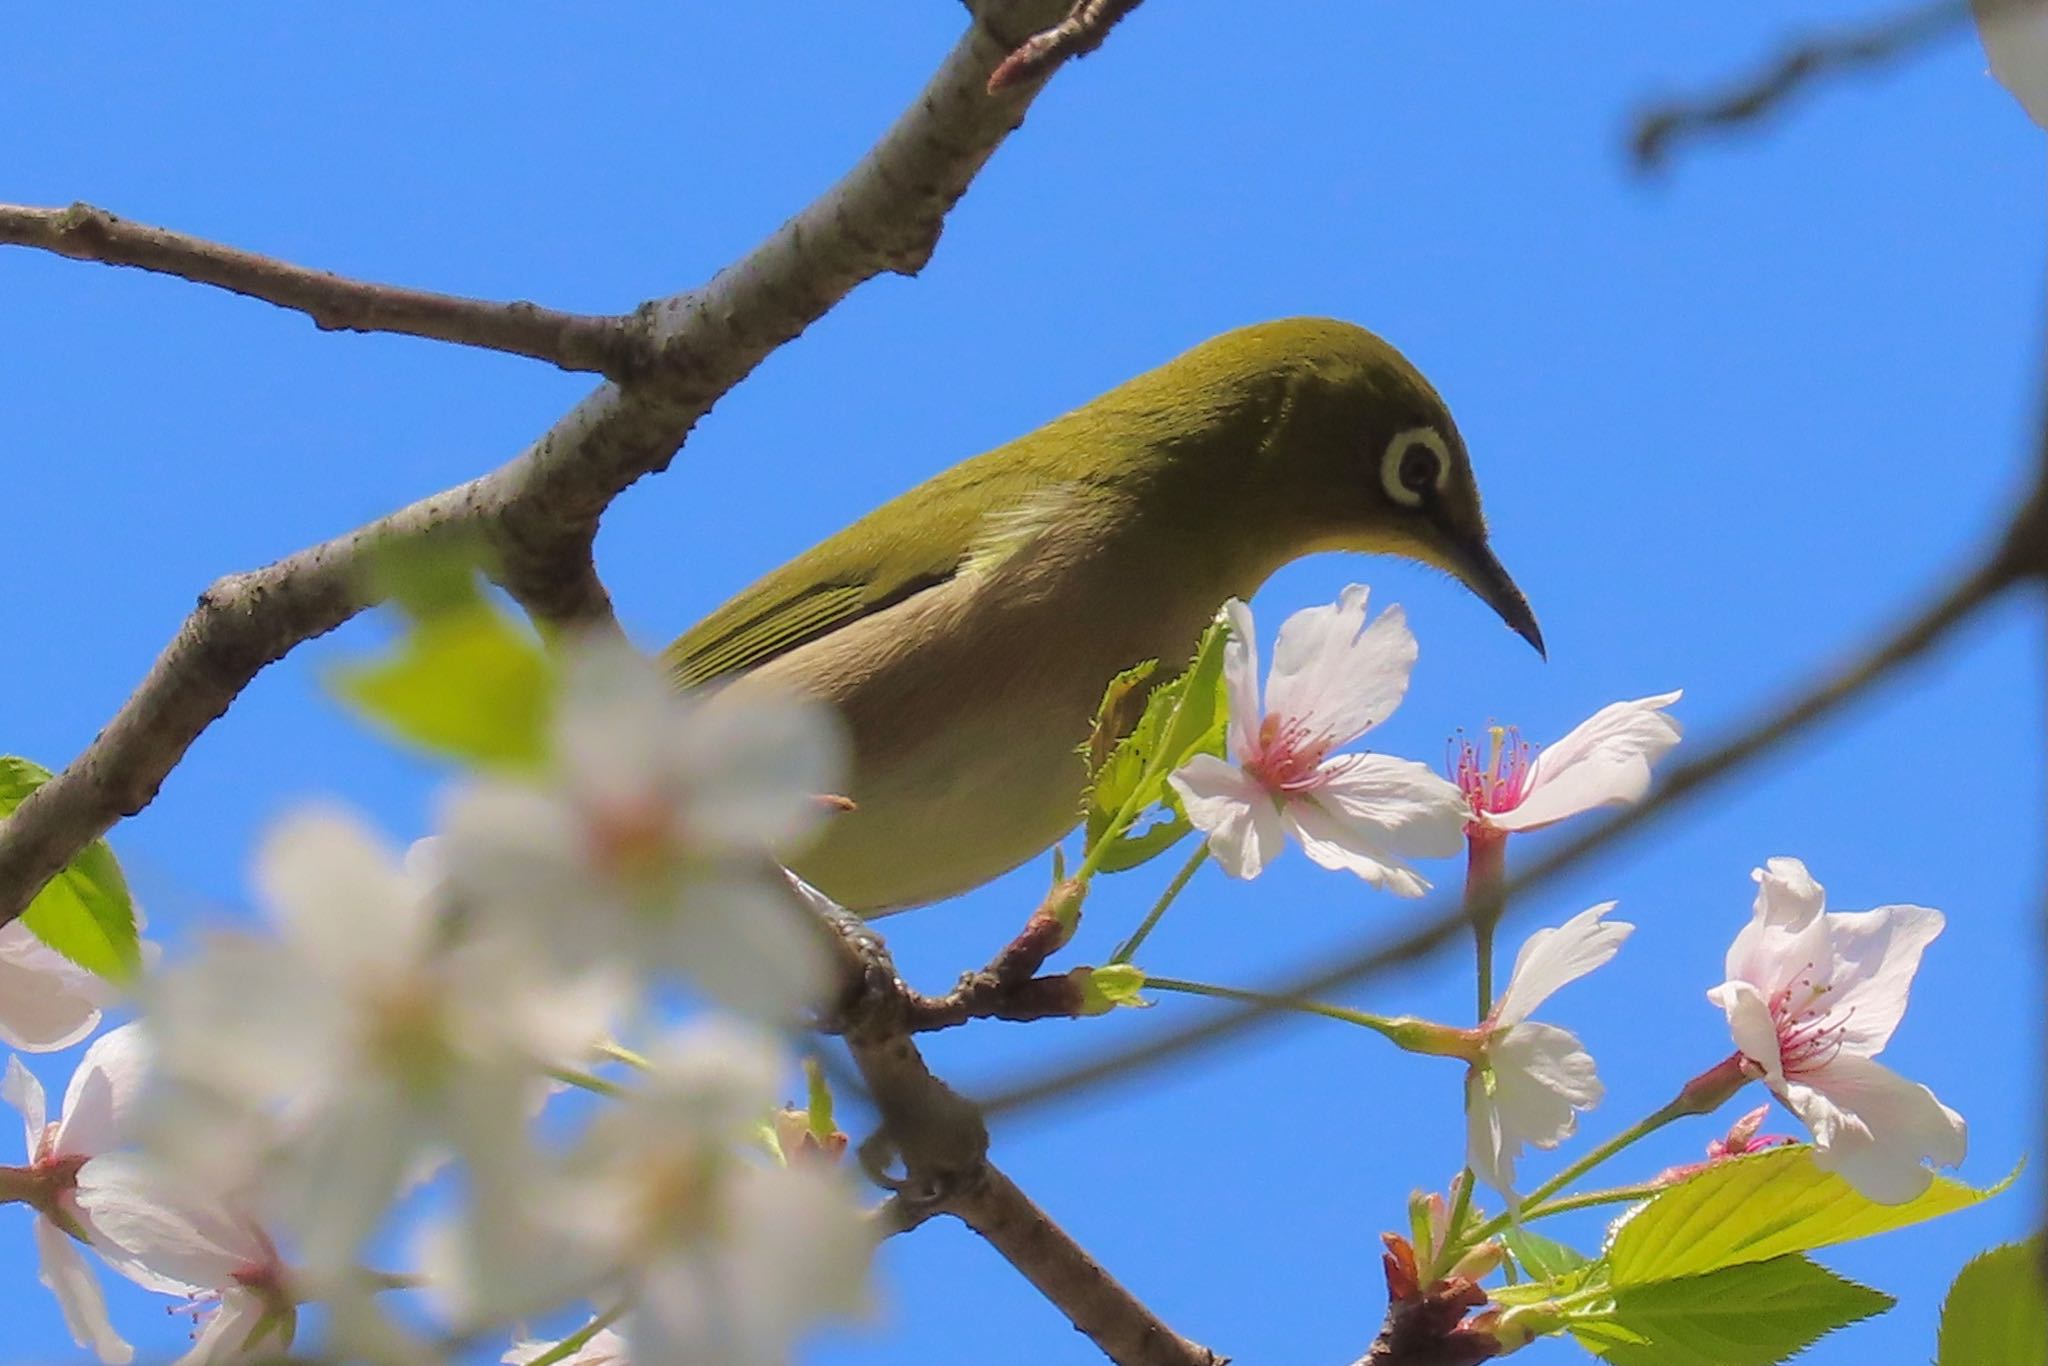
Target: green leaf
[(1542, 1258), (85, 912), (1995, 1311), (1182, 718), (1755, 1314), (1759, 1207), (466, 683)]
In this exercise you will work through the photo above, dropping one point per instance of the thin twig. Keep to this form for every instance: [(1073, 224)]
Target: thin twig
[(1996, 571), (1112, 1318), (574, 341), (538, 514), (1755, 96), (1080, 33)]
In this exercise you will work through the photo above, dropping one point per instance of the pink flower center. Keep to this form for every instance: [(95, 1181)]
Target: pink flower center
[(1809, 1034), (1287, 755), (1501, 781)]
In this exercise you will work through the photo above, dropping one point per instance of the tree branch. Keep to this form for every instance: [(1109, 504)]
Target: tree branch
[(1754, 97), (2019, 553), (941, 1142), (573, 341), (538, 514), (1080, 33)]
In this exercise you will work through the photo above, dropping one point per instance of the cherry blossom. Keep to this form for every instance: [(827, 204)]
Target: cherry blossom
[(319, 1063), (1532, 1079), (727, 1258), (1603, 761), (1812, 997), (649, 844), (1334, 678), (602, 1348), (153, 1230), (47, 1002), (98, 1105)]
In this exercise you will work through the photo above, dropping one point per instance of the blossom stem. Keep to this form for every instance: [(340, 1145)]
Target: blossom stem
[(618, 1052), (1129, 948), (1485, 864), (1405, 1031), (1613, 1195), (20, 1186), (587, 1081), (576, 1341), (1702, 1095)]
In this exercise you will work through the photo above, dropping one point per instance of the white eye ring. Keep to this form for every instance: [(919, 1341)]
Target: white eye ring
[(1416, 464)]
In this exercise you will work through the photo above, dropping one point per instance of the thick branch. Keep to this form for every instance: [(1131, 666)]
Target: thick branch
[(539, 512), (574, 341), (2019, 553), (1754, 97)]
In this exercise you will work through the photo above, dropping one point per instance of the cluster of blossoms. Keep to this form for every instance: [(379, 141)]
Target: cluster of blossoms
[(1811, 997), (242, 1148), (244, 1145)]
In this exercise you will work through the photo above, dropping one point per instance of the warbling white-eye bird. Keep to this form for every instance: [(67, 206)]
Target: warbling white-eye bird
[(966, 630)]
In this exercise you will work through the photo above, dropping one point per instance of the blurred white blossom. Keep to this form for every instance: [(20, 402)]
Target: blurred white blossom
[(1603, 761), (724, 1256), (98, 1105), (602, 1348), (1812, 997), (650, 844), (325, 1058), (1533, 1079), (1334, 678), (47, 1001)]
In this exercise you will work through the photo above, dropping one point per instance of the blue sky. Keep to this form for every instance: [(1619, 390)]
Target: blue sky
[(1727, 419)]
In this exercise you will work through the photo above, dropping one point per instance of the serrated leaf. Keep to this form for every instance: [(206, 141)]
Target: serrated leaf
[(85, 912), (1762, 1206), (1755, 1314), (1995, 1312), (466, 683), (1542, 1258), (1183, 717)]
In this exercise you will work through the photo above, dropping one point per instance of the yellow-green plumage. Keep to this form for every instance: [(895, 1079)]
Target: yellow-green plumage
[(965, 630)]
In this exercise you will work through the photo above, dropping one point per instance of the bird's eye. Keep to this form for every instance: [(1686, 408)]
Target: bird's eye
[(1414, 466)]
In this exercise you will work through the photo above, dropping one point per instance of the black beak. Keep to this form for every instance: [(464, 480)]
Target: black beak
[(1480, 571)]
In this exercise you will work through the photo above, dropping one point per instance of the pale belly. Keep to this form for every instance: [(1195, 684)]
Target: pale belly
[(966, 720)]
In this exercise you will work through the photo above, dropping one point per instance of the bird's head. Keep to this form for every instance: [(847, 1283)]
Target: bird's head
[(1359, 453)]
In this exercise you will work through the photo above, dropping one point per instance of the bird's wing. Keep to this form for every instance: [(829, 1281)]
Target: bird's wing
[(961, 526)]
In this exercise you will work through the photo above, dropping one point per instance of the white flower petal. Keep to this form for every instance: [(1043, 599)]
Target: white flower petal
[(1241, 678), (1347, 846), (754, 766), (745, 942), (335, 889), (64, 1270), (19, 1088), (47, 1002), (604, 1348), (1414, 810), (1749, 1021), (615, 707), (100, 1101), (1876, 1128), (1876, 954), (1550, 958), (229, 1331), (1233, 810), (151, 1231), (1487, 1150), (1603, 761), (1786, 938), (1336, 675)]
